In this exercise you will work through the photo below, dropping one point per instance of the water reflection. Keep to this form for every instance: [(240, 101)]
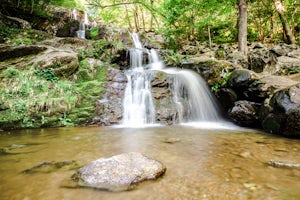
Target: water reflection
[(201, 163)]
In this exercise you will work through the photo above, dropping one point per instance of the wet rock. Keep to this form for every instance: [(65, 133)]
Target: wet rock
[(47, 167), (109, 108), (226, 97), (119, 173), (240, 78), (245, 113), (282, 113)]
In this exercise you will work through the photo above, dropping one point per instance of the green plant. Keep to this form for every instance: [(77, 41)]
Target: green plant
[(65, 121), (11, 72), (20, 41), (47, 74), (94, 32), (27, 122)]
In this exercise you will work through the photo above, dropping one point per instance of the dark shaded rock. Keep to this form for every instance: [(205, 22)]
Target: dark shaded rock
[(245, 113), (262, 88), (226, 97), (259, 58), (240, 78), (282, 112), (10, 52), (119, 173), (47, 167), (68, 29), (14, 22)]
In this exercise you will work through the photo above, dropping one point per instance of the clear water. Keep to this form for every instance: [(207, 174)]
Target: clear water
[(201, 163)]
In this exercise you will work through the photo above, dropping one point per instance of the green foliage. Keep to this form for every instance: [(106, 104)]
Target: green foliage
[(6, 31), (20, 41), (65, 121), (11, 72), (94, 32), (47, 74)]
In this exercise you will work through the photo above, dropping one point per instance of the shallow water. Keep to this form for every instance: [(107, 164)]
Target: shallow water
[(201, 163)]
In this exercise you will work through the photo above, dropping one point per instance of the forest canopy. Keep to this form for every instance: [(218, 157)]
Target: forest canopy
[(189, 20)]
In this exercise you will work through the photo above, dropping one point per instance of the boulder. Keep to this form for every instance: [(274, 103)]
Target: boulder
[(119, 173), (283, 112), (240, 78), (63, 62), (259, 58), (245, 113), (264, 87)]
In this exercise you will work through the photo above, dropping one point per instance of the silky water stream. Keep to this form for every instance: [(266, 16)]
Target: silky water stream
[(201, 163)]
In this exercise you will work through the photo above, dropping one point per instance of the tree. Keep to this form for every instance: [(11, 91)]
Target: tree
[(286, 29), (242, 27)]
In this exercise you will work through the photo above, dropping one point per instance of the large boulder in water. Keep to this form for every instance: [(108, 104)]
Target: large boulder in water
[(119, 173)]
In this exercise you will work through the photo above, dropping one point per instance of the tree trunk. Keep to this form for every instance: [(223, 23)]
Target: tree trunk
[(209, 36), (242, 26), (286, 29)]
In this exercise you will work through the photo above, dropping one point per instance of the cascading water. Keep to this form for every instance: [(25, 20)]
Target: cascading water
[(138, 101), (193, 100), (192, 97), (81, 32)]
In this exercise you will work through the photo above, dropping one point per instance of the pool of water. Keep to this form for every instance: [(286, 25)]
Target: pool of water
[(201, 163)]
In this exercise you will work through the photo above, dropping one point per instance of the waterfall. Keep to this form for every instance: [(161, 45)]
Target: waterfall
[(86, 19), (193, 99), (138, 101), (74, 14), (81, 32)]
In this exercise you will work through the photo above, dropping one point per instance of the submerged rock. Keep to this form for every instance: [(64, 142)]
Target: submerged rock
[(47, 167), (119, 173)]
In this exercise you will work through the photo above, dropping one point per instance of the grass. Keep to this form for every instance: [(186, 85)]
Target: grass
[(32, 98)]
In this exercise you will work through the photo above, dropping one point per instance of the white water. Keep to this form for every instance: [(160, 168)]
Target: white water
[(138, 101), (81, 32), (194, 102), (86, 19)]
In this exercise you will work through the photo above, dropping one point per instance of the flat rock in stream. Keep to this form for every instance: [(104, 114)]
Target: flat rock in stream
[(119, 173)]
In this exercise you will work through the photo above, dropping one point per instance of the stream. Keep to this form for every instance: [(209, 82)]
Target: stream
[(201, 163)]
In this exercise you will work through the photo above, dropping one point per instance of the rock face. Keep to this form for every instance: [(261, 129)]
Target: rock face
[(119, 173)]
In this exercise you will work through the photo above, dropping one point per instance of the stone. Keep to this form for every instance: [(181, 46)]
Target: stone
[(10, 52), (283, 112), (245, 113), (63, 62), (119, 173), (240, 78)]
